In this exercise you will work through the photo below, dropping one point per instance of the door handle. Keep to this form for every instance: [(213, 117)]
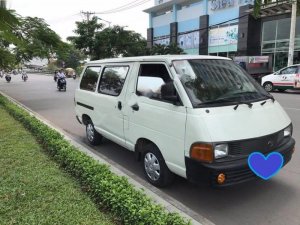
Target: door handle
[(119, 105), (135, 107)]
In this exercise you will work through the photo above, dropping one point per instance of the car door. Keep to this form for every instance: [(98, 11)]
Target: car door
[(110, 101), (286, 78), (150, 117)]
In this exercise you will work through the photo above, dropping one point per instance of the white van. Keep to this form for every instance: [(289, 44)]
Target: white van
[(198, 117)]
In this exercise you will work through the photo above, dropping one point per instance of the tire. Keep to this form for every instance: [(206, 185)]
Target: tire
[(93, 137), (155, 168), (268, 86)]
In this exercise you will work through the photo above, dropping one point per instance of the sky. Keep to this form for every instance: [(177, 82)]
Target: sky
[(62, 14)]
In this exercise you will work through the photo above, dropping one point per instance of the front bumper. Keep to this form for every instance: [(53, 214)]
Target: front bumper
[(236, 171)]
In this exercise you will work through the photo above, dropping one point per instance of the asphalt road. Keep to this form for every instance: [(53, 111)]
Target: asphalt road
[(276, 201)]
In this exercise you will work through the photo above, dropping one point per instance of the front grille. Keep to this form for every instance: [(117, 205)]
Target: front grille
[(263, 144)]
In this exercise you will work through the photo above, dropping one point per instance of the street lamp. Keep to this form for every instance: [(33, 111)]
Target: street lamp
[(104, 21)]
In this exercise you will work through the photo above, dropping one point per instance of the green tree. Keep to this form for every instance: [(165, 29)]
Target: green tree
[(173, 48), (86, 32), (9, 20), (98, 43), (70, 56), (38, 40), (116, 41)]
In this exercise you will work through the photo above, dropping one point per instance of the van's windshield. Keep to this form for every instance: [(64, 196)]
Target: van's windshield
[(217, 82)]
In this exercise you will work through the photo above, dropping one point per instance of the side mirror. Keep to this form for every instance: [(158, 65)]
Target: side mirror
[(168, 92)]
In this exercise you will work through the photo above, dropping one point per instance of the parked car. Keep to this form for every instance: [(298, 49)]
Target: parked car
[(198, 117), (281, 80)]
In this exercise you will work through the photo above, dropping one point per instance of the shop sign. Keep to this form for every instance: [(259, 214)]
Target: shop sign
[(188, 41), (223, 35), (165, 41), (258, 59), (221, 4)]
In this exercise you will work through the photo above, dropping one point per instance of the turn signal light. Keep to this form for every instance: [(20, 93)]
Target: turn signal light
[(202, 152), (221, 178)]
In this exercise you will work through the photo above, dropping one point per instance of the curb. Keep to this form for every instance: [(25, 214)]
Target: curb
[(171, 204)]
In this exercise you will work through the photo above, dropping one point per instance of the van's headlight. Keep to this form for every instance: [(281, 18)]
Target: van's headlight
[(288, 131), (221, 150)]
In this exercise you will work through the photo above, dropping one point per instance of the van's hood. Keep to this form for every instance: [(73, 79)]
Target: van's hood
[(226, 124)]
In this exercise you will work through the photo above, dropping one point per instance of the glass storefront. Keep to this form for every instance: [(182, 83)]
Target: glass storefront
[(275, 41)]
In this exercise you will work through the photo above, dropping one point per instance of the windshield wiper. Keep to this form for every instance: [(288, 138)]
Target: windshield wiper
[(242, 102), (268, 96), (237, 103), (259, 93), (221, 100)]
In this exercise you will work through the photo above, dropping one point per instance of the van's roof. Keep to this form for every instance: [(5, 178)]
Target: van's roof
[(166, 58)]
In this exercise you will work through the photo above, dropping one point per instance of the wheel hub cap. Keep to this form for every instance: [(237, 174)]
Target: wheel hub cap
[(152, 166), (90, 132)]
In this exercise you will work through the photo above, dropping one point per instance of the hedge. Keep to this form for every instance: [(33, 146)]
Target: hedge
[(109, 191)]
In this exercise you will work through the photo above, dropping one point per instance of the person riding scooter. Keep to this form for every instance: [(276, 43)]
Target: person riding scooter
[(24, 75), (61, 80), (7, 77)]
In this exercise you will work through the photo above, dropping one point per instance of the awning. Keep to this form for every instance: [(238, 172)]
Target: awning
[(273, 9)]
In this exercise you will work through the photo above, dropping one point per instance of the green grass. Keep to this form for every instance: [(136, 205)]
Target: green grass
[(33, 189)]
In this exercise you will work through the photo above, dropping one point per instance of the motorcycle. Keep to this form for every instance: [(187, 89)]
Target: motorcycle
[(62, 84), (7, 78), (24, 77)]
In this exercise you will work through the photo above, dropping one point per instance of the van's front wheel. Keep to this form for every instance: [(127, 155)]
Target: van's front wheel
[(155, 168), (94, 138)]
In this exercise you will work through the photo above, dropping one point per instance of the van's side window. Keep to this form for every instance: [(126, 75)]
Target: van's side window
[(112, 80), (150, 80), (90, 78)]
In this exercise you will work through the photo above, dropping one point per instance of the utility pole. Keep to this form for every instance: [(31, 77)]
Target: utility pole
[(87, 14), (292, 33)]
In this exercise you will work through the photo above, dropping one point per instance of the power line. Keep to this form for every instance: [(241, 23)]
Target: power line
[(209, 27), (87, 14), (124, 7)]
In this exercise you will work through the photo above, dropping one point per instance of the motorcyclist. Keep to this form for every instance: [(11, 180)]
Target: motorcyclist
[(60, 75), (24, 75)]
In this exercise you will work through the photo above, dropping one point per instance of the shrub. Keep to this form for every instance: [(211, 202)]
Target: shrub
[(110, 191)]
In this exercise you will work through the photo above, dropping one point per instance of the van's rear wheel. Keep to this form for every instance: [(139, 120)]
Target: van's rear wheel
[(268, 86), (155, 168), (94, 138)]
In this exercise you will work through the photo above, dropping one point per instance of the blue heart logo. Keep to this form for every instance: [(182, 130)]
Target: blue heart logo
[(265, 167)]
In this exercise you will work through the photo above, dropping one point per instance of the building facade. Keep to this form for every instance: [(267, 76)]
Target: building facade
[(223, 28)]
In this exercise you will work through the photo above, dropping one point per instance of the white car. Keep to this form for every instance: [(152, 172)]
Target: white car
[(198, 117), (286, 78)]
